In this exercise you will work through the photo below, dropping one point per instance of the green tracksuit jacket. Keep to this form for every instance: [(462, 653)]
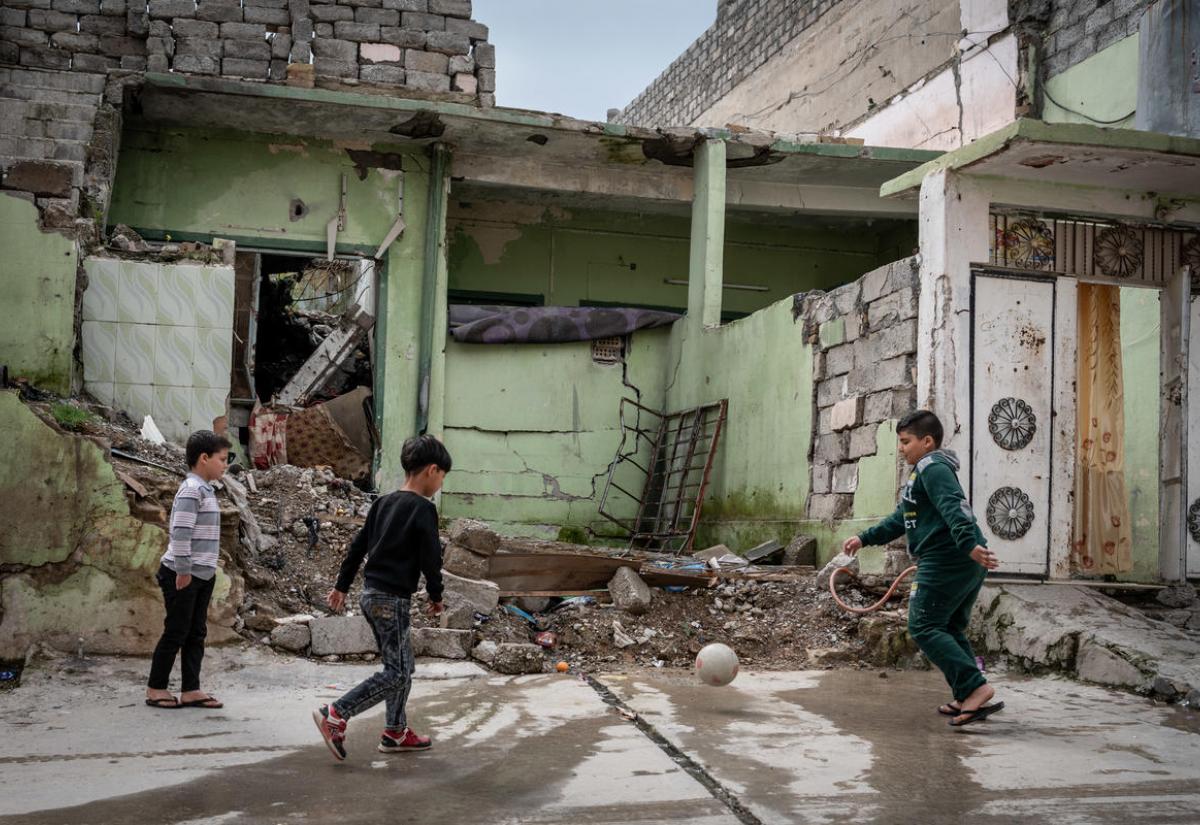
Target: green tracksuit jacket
[(936, 518)]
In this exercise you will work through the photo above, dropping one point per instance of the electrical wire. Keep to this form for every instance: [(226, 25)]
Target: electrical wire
[(1046, 92)]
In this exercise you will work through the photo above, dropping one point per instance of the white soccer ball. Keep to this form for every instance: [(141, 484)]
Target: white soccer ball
[(716, 665)]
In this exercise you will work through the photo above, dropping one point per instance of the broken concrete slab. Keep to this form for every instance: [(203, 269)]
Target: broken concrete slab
[(1177, 595), (458, 616), (463, 562), (801, 550), (629, 592), (513, 658), (441, 643), (838, 561), (483, 596), (342, 636), (485, 652), (292, 637), (474, 535), (769, 552), (1087, 635)]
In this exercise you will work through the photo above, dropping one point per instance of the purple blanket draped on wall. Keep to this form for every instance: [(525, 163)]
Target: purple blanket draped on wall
[(549, 325)]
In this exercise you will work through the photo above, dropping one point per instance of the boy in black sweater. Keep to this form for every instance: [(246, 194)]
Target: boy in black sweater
[(400, 542), (952, 563)]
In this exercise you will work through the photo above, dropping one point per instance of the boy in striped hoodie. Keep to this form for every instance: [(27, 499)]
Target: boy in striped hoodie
[(187, 573)]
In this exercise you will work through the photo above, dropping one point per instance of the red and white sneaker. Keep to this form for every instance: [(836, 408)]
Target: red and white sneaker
[(403, 742), (333, 730)]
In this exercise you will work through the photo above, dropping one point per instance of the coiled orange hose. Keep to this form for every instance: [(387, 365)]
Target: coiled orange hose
[(878, 604)]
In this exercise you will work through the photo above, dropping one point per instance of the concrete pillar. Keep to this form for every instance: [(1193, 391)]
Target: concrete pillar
[(953, 235), (1173, 437), (705, 273)]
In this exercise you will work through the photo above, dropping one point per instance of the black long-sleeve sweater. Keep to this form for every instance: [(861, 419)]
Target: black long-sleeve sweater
[(400, 542)]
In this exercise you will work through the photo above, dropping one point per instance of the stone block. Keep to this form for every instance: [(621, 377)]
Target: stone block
[(133, 63), (831, 448), (828, 508), (845, 478), (331, 14), (846, 414), (76, 6), (294, 638), (462, 64), (515, 658), (358, 32), (9, 52), (196, 28), (458, 560), (243, 31), (115, 8), (343, 50), (426, 81), (838, 360), (832, 333), (423, 22), (379, 17), (473, 30), (474, 535), (299, 9), (219, 11), (342, 636), (13, 17), (51, 21), (247, 50), (24, 37), (75, 41), (332, 67), (324, 30), (1096, 663), (483, 596), (384, 75), (94, 63), (878, 407), (863, 441), (485, 55), (875, 284), (281, 47), (263, 4), (485, 652), (239, 67), (887, 342), (45, 178), (170, 9), (137, 23), (890, 309), (407, 5), (196, 47), (301, 53), (822, 478), (43, 57), (833, 390), (405, 38), (117, 46), (883, 375), (487, 79), (451, 8), (278, 71), (464, 82), (161, 28), (422, 61), (629, 592), (448, 43), (458, 616), (195, 63), (441, 642), (801, 550), (302, 29), (154, 63), (301, 75), (268, 17)]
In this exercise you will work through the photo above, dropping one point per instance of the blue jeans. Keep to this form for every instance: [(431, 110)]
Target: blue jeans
[(388, 616)]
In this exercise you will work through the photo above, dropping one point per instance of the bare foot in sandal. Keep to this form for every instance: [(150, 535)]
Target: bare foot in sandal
[(161, 699), (975, 708), (199, 699)]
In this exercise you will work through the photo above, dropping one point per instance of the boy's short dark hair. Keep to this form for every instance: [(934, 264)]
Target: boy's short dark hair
[(205, 442), (922, 423), (420, 451)]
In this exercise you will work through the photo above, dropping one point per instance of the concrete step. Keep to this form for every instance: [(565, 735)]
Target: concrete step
[(39, 94), (51, 79), (37, 110)]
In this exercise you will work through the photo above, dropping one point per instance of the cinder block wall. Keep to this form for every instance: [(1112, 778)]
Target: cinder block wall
[(431, 46), (1078, 29)]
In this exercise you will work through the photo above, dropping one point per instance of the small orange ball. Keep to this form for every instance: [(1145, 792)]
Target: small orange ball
[(562, 667)]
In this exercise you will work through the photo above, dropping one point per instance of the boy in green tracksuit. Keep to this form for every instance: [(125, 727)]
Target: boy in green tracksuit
[(952, 563)]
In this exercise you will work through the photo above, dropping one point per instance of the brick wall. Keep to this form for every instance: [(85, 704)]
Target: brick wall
[(1077, 29), (745, 35), (865, 340), (427, 45)]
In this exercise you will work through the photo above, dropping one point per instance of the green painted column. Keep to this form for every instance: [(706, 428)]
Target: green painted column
[(708, 237)]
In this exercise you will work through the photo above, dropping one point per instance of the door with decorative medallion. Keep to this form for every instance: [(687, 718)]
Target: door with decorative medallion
[(1012, 400)]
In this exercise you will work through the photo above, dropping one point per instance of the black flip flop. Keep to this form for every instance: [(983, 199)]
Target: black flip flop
[(204, 703), (161, 703), (977, 715), (952, 712)]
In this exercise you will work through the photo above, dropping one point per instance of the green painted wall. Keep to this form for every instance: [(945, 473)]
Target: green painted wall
[(532, 429), (1103, 87), (571, 255), (1140, 329), (240, 185), (38, 272)]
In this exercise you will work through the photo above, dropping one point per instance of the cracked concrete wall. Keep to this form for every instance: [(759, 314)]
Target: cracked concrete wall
[(87, 572)]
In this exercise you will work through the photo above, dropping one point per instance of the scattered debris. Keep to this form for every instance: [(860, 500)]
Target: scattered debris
[(629, 592)]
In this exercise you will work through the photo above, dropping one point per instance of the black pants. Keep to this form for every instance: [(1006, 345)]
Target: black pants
[(184, 630)]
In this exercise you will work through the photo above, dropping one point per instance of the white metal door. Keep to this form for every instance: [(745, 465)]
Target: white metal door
[(1193, 494), (1013, 375)]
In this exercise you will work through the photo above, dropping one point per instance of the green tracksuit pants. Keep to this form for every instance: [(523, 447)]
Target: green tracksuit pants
[(938, 615)]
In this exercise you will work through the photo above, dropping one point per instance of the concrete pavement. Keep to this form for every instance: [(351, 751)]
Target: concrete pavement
[(819, 747)]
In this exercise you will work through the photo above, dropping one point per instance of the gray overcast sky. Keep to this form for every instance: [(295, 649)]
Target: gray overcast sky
[(582, 57)]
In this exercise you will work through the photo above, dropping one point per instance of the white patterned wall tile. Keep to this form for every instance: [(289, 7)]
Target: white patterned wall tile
[(173, 412), (213, 359), (207, 405), (99, 345), (135, 354), (177, 295), (102, 391), (137, 292), (173, 352), (214, 296), (135, 400), (100, 298)]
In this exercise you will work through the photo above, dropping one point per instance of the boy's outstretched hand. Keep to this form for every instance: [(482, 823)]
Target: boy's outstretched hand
[(851, 545), (985, 557), (435, 608), (336, 600)]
